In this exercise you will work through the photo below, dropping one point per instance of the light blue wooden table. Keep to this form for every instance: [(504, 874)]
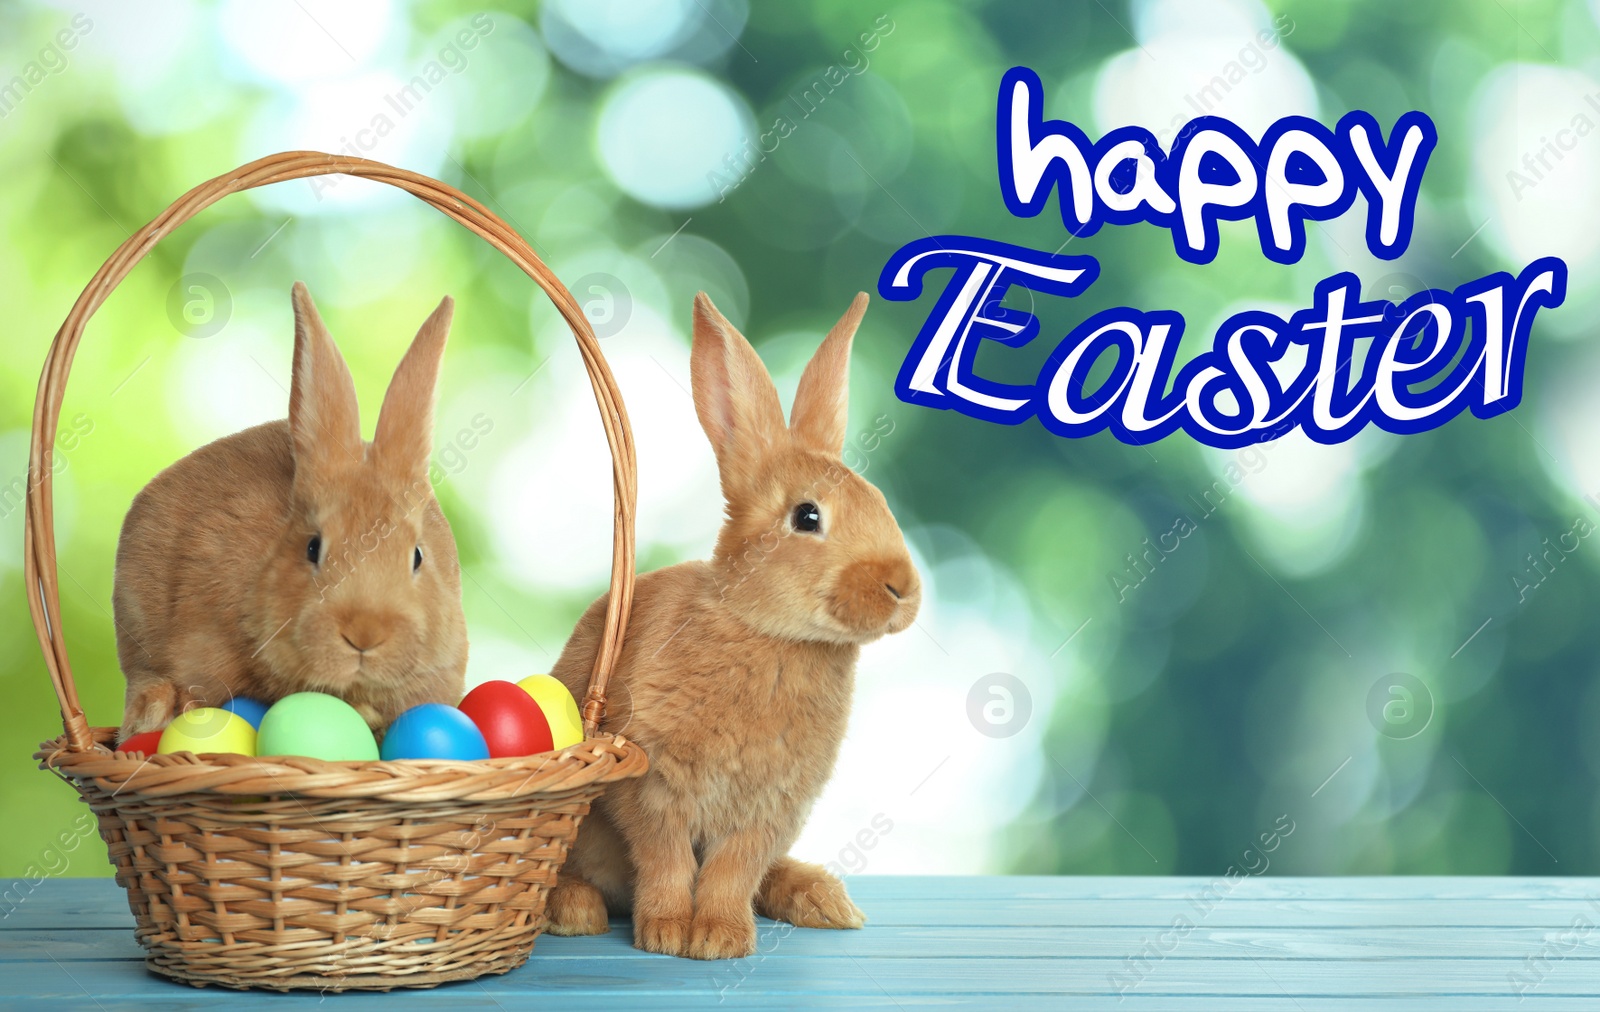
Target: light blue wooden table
[(1296, 944)]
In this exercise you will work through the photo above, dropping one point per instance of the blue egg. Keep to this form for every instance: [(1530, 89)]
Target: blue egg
[(252, 710), (434, 731)]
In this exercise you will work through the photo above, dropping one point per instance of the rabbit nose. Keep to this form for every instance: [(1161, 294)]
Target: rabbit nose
[(871, 592), (900, 580), (362, 645), (363, 635)]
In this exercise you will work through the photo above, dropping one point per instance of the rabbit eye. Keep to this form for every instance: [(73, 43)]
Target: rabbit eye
[(314, 549), (807, 517), (416, 558)]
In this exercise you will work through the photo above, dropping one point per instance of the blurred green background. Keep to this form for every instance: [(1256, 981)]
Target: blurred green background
[(1032, 721)]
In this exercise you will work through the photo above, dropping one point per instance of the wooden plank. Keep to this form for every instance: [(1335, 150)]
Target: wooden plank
[(1160, 915), (1147, 915), (1088, 887), (97, 903), (899, 976), (1266, 887), (113, 986), (459, 996), (62, 902), (37, 915), (644, 977), (68, 944), (1020, 942), (924, 942)]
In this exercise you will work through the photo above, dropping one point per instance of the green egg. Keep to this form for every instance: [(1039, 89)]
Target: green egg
[(317, 725)]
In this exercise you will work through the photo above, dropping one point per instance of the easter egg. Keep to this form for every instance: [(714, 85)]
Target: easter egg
[(317, 725), (149, 743), (560, 709), (511, 722), (250, 709), (434, 731), (208, 729)]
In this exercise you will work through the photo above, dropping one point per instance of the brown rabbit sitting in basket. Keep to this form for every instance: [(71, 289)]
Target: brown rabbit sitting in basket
[(737, 673), (294, 556)]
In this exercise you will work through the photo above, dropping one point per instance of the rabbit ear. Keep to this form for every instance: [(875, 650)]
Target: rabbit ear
[(323, 418), (404, 439), (821, 403), (733, 395)]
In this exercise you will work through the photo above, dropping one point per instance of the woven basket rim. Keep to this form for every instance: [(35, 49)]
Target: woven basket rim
[(598, 760)]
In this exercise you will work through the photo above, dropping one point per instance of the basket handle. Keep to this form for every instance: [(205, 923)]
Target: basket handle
[(39, 555)]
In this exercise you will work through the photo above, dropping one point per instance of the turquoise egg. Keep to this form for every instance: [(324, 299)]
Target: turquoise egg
[(250, 709), (434, 731)]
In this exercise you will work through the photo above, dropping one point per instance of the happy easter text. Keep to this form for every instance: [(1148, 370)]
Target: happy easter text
[(1426, 358)]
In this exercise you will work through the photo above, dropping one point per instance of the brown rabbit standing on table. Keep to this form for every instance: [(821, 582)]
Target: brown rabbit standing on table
[(294, 556), (737, 673)]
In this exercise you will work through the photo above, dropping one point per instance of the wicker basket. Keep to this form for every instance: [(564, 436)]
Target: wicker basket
[(297, 873)]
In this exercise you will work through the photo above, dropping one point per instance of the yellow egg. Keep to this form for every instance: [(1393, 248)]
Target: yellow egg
[(560, 709), (208, 729)]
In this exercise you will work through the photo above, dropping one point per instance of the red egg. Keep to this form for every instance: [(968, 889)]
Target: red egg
[(146, 743), (511, 722)]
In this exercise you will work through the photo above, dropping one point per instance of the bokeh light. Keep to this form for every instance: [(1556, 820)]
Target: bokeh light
[(663, 134)]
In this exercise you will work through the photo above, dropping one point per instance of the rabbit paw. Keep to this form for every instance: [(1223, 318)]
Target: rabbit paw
[(722, 938), (150, 707), (806, 896), (666, 935), (577, 908)]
